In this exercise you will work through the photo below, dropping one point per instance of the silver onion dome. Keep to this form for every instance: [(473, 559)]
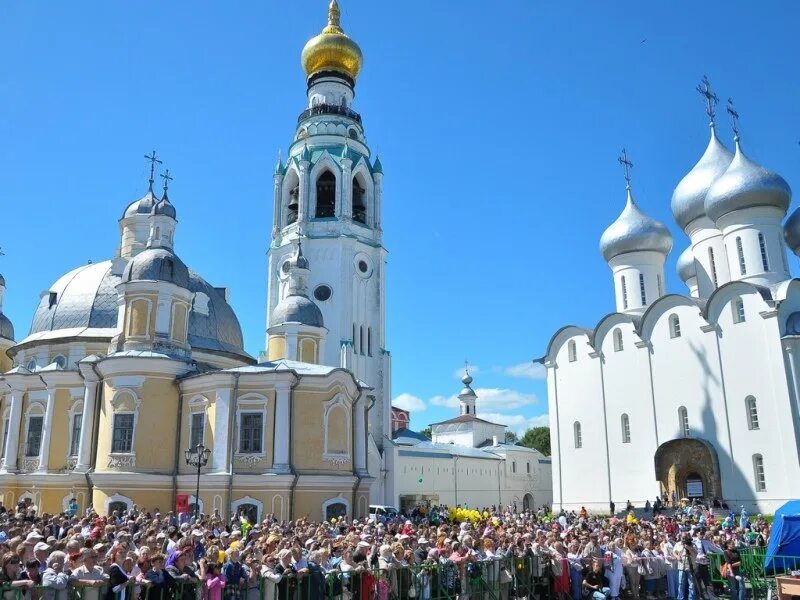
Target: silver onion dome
[(164, 207), (296, 309), (746, 184), (142, 206), (688, 199), (6, 328), (686, 267), (634, 231), (157, 264), (791, 231)]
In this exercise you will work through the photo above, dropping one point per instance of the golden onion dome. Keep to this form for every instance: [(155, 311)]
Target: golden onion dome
[(332, 50)]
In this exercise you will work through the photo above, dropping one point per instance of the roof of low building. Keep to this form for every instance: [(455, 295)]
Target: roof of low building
[(466, 419)]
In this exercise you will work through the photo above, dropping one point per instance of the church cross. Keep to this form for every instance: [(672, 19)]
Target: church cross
[(704, 89), (627, 165), (734, 118), (167, 178), (153, 162)]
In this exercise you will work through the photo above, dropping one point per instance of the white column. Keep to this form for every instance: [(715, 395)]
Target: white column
[(302, 200), (219, 457), (47, 430), (280, 462), (345, 208), (12, 440), (360, 435), (87, 425)]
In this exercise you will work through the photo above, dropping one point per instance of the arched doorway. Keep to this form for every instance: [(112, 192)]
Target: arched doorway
[(527, 502), (689, 467)]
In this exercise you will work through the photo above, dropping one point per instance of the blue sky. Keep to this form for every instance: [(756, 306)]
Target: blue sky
[(498, 126)]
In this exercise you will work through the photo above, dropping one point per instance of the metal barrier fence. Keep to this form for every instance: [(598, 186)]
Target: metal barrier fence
[(752, 568), (497, 579)]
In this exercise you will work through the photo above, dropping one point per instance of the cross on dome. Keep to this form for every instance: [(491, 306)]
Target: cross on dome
[(734, 119), (167, 178), (153, 162), (627, 165), (704, 89)]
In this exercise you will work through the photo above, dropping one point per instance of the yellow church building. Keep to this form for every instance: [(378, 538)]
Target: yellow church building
[(131, 361)]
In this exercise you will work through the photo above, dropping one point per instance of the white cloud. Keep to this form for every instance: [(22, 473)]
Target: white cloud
[(491, 398), (519, 424), (459, 372), (409, 402), (528, 370)]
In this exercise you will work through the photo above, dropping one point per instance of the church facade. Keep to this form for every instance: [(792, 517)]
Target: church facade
[(693, 394), (131, 361)]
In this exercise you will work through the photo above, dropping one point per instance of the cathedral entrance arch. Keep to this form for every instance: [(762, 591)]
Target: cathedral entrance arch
[(527, 502), (689, 467)]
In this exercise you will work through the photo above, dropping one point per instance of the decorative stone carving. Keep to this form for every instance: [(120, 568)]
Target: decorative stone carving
[(72, 462), (121, 461), (248, 460), (337, 459), (30, 464)]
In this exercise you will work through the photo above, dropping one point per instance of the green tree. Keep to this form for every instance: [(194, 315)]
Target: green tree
[(511, 437), (426, 432), (537, 438)]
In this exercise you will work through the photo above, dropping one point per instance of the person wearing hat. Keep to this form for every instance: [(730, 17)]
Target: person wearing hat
[(89, 575), (40, 554)]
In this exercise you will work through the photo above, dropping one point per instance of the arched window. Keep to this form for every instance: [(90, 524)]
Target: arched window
[(361, 344), (359, 200), (713, 264), (626, 429), (642, 290), (326, 195), (624, 293), (60, 361), (740, 253), (572, 352), (683, 421), (355, 340), (674, 326), (618, 340), (752, 412), (758, 473), (762, 244), (369, 341), (292, 189), (578, 437), (738, 310)]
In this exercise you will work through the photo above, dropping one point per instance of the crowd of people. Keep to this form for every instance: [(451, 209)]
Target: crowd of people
[(144, 554)]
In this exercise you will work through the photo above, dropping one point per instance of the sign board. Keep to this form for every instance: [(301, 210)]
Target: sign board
[(694, 488), (182, 503)]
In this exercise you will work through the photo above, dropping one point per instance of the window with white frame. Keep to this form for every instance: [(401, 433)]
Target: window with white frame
[(251, 433), (752, 412), (528, 467), (572, 351), (762, 244), (618, 340), (626, 429), (33, 438), (624, 293), (197, 429), (513, 466), (740, 253), (336, 421), (674, 326), (713, 263), (75, 434), (758, 473), (738, 311), (642, 289), (683, 421), (578, 436), (122, 433)]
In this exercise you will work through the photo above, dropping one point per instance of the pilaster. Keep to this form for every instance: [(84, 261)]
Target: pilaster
[(12, 440), (280, 463)]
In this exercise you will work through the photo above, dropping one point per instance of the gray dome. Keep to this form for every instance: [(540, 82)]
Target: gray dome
[(688, 199), (296, 309), (85, 305), (6, 328), (164, 207), (157, 264), (634, 231), (142, 206), (686, 266), (744, 185), (791, 231)]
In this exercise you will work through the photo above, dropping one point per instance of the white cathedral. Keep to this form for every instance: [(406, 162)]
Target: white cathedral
[(697, 394)]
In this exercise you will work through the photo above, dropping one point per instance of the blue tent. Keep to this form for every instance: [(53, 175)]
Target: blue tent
[(785, 538)]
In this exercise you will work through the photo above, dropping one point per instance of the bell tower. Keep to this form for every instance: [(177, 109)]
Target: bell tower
[(328, 194)]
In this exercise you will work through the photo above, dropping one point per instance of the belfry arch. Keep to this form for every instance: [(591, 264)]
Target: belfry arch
[(689, 467)]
